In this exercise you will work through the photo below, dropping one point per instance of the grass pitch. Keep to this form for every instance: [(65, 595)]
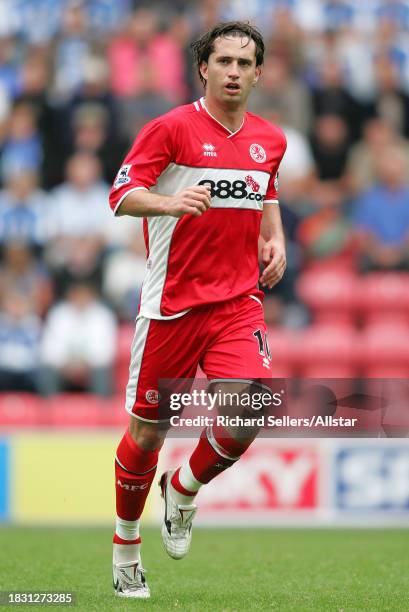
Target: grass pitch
[(226, 570)]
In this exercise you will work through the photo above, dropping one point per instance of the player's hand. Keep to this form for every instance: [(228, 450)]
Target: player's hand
[(193, 201), (274, 260)]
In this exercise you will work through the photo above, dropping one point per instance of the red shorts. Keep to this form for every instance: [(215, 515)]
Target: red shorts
[(228, 341)]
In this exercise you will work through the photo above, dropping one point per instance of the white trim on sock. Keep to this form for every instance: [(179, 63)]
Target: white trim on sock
[(189, 483), (187, 479), (216, 446), (127, 530)]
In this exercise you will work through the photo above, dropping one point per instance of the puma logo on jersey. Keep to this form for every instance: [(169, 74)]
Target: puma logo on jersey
[(209, 150)]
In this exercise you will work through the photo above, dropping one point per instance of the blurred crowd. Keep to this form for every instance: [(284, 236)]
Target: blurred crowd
[(78, 79)]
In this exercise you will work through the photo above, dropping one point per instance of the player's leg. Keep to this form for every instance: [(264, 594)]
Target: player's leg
[(239, 352), (135, 467), (159, 350), (218, 448)]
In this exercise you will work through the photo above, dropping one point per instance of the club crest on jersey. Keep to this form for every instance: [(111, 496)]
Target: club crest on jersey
[(209, 150), (152, 396), (122, 178), (257, 153)]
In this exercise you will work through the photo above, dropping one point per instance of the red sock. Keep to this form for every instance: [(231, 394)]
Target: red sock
[(134, 472), (215, 452)]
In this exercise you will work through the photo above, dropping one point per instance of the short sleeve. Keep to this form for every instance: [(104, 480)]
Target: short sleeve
[(272, 188), (149, 156)]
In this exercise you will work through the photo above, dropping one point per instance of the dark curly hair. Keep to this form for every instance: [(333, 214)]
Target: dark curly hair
[(203, 47)]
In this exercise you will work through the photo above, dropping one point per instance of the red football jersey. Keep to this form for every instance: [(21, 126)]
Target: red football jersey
[(193, 261)]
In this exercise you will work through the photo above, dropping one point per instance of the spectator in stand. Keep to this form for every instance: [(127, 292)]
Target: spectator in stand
[(330, 144), (90, 135), (95, 91), (286, 39), (77, 205), (338, 14), (24, 213), (378, 136), (124, 272), (326, 234), (381, 216), (76, 259), (391, 102), (35, 78), (19, 345), (394, 11), (181, 31), (36, 21), (9, 66), (91, 110), (141, 43), (72, 47), (279, 89), (204, 15), (80, 223), (331, 97), (82, 226), (259, 12), (284, 291), (355, 56), (106, 16), (21, 150), (20, 272), (73, 355), (147, 105)]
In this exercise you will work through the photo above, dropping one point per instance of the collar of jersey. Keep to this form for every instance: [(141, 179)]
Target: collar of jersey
[(201, 103)]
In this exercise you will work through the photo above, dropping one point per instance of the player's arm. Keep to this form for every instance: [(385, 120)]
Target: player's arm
[(273, 246), (194, 200), (150, 155)]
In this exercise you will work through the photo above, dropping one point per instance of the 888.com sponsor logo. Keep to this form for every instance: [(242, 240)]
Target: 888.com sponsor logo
[(238, 190)]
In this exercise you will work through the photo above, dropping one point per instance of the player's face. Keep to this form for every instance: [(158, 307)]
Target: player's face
[(231, 71)]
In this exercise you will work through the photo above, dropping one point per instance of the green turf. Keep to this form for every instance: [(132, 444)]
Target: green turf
[(226, 570)]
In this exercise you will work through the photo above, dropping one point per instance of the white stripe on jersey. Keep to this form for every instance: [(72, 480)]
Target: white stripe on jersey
[(177, 177), (160, 231)]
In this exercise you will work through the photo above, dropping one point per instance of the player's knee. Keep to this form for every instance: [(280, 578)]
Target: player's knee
[(148, 436)]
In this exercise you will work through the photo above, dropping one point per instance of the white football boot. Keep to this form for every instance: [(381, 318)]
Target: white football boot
[(177, 523), (129, 580)]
